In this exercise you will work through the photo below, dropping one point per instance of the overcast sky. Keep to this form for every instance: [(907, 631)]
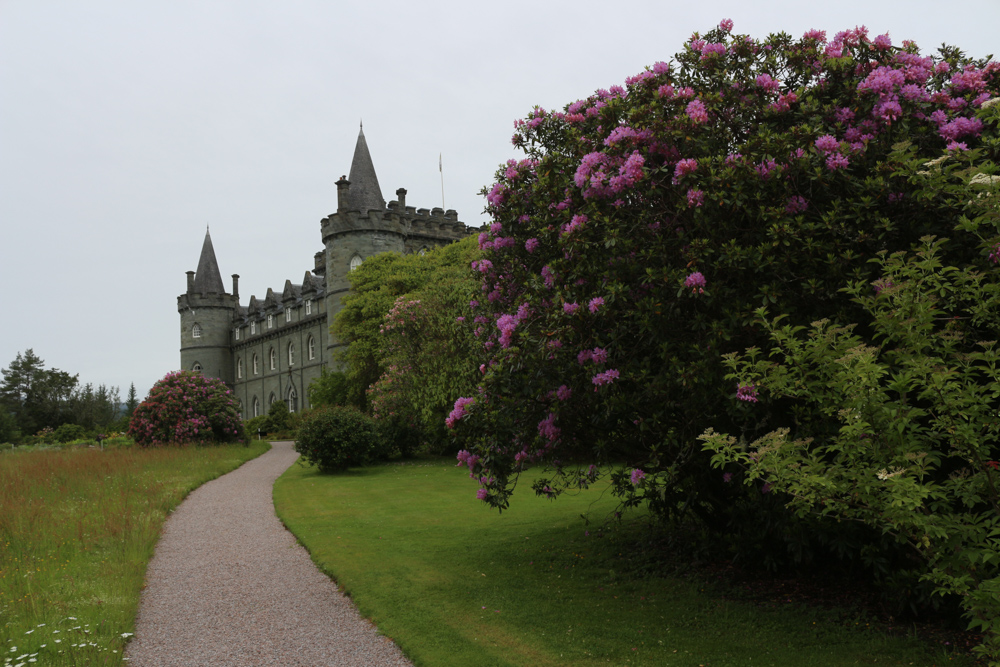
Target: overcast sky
[(126, 127)]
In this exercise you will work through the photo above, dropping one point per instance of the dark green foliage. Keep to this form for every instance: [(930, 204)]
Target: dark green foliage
[(69, 432), (8, 427), (338, 437), (278, 417), (331, 388), (36, 396)]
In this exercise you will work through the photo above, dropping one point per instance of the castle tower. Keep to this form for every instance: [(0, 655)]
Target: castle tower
[(361, 227), (207, 314)]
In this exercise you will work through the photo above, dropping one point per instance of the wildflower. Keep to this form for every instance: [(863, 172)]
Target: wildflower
[(637, 476)]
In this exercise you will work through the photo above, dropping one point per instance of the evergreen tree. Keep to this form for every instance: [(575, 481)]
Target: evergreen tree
[(36, 397)]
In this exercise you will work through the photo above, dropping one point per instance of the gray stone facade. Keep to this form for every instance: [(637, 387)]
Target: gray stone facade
[(272, 349)]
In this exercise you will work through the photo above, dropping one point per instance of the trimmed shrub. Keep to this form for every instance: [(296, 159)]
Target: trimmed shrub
[(187, 407), (338, 437), (69, 432)]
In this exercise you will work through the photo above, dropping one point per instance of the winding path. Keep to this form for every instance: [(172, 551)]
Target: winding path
[(229, 585)]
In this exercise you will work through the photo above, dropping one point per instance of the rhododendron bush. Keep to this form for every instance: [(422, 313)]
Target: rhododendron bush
[(631, 246), (187, 407)]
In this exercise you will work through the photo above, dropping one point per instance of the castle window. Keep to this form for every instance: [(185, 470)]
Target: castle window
[(253, 328), (423, 251), (291, 354), (309, 306), (239, 368), (196, 331), (293, 400), (256, 370), (256, 407), (237, 331), (196, 368), (355, 262), (273, 358), (311, 344), (270, 321), (288, 314)]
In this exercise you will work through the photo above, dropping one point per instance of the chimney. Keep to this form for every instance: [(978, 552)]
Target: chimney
[(190, 275), (342, 188), (401, 197), (236, 286)]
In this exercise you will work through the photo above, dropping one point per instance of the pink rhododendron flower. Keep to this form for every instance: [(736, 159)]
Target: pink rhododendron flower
[(695, 197), (563, 393), (684, 167), (726, 25), (595, 304), (747, 392), (836, 161), (696, 281), (637, 476), (696, 111), (570, 308), (607, 377)]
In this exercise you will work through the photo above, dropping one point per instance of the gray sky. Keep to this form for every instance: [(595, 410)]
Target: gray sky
[(126, 127)]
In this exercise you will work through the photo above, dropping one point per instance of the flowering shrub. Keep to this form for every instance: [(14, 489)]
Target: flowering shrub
[(905, 438), (337, 437), (187, 407), (745, 173)]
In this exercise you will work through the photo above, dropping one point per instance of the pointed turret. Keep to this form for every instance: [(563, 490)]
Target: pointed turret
[(364, 191), (207, 279)]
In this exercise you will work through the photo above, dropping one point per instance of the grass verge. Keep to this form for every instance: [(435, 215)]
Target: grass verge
[(77, 529), (456, 584)]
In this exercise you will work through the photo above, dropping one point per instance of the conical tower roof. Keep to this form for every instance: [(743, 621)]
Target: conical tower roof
[(208, 280), (364, 193)]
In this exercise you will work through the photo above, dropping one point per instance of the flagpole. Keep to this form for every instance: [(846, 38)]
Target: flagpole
[(441, 169)]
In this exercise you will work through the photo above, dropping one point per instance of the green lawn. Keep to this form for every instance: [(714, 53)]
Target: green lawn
[(77, 529), (456, 584)]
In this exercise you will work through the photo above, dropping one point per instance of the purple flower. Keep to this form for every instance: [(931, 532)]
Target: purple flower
[(599, 355), (727, 477), (695, 197), (836, 161), (827, 143), (957, 146), (726, 25), (595, 304), (459, 411), (531, 245), (767, 83), (481, 494), (547, 428), (696, 111), (696, 281), (796, 204), (570, 308), (882, 42), (684, 167), (563, 393), (747, 392), (607, 377), (766, 488), (637, 476), (882, 284)]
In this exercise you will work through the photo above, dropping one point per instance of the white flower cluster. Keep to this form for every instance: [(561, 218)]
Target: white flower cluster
[(884, 474)]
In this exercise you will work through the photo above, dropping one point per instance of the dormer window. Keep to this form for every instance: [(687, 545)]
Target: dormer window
[(270, 321), (253, 328), (237, 331), (288, 314), (196, 368), (309, 307), (196, 331)]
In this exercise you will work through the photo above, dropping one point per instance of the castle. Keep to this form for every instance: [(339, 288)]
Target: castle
[(272, 349)]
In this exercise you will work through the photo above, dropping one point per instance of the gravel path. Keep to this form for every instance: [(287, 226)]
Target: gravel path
[(229, 585)]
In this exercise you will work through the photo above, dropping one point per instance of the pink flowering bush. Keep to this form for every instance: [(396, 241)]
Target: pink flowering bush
[(187, 407), (744, 173)]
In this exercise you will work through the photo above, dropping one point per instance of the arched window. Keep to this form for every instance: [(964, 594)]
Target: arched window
[(270, 321), (356, 262), (291, 354), (256, 407), (196, 331), (270, 401), (197, 367), (293, 400), (239, 368), (311, 344), (273, 359), (256, 366)]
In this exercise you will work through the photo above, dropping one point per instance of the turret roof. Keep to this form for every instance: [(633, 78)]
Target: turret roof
[(207, 279), (364, 193)]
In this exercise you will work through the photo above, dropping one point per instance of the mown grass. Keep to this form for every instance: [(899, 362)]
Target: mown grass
[(455, 584), (77, 529)]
